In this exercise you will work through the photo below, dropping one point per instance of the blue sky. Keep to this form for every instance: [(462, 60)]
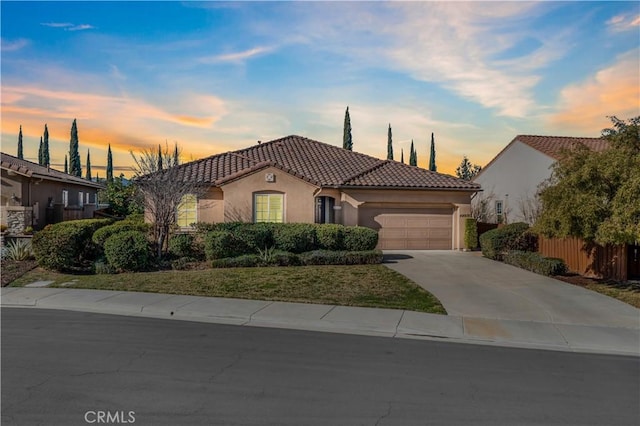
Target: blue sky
[(217, 76)]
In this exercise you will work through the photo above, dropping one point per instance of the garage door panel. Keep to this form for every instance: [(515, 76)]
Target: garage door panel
[(414, 231)]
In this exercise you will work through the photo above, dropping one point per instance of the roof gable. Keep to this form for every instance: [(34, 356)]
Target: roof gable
[(34, 170), (320, 164)]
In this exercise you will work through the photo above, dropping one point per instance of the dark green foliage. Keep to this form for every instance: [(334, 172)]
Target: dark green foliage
[(347, 140), (534, 262), (74, 154), (101, 235), (324, 257), (123, 199), (413, 156), (45, 148), (186, 245), (330, 236), (109, 165), (294, 237), (101, 266), (221, 244), (432, 156), (66, 165), (128, 251), (67, 246), (470, 233), (389, 144), (244, 261), (40, 153), (466, 170), (496, 242), (20, 148), (360, 238), (88, 175)]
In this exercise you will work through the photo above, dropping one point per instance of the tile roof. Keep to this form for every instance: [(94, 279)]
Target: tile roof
[(554, 145), (30, 169), (319, 163)]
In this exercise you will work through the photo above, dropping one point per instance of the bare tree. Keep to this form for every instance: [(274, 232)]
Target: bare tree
[(531, 207), (482, 208), (163, 184)]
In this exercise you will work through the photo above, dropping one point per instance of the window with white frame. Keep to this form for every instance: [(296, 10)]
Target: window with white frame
[(65, 197), (499, 211), (268, 208), (80, 199), (187, 213)]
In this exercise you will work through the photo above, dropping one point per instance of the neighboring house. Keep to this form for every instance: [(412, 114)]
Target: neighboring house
[(35, 195), (511, 181), (295, 179)]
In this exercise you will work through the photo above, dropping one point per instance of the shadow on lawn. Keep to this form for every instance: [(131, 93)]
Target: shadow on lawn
[(393, 258)]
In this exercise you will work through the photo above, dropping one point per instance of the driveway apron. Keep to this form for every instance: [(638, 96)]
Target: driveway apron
[(469, 285)]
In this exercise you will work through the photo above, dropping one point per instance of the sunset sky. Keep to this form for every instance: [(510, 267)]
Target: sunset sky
[(216, 76)]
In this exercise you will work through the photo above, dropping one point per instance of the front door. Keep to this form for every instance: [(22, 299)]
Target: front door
[(633, 262)]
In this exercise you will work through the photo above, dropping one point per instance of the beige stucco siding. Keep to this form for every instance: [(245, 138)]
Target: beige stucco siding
[(299, 196), (211, 206)]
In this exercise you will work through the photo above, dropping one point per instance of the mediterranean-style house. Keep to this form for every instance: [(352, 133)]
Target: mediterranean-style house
[(296, 179), (34, 195), (510, 182)]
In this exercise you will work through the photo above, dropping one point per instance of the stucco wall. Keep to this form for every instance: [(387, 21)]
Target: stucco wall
[(211, 206), (514, 177), (299, 200)]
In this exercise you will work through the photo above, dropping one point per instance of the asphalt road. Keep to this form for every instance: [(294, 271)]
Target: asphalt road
[(70, 368)]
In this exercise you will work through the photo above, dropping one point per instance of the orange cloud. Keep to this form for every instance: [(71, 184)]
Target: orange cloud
[(611, 91)]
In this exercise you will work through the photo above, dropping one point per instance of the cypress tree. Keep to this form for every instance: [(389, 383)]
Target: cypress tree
[(45, 148), (413, 157), (20, 153), (389, 144), (74, 156), (109, 165), (432, 157), (88, 175), (347, 140), (159, 157), (40, 156), (66, 165), (402, 155), (176, 159)]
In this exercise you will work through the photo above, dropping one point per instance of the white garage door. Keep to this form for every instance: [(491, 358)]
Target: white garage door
[(414, 231)]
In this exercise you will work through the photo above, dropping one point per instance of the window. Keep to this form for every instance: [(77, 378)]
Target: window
[(87, 202), (187, 213), (80, 199), (324, 210), (269, 208), (65, 197), (499, 211)]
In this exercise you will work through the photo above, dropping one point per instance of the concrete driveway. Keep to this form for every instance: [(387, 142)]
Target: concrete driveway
[(469, 285)]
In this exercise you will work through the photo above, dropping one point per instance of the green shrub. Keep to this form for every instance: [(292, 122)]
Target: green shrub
[(498, 241), (254, 236), (18, 250), (102, 267), (101, 235), (222, 244), (330, 236), (244, 261), (324, 257), (534, 262), (67, 246), (360, 238), (182, 245), (470, 233), (294, 237), (128, 251)]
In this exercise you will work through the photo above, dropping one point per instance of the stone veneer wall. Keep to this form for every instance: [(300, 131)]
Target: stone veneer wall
[(18, 218)]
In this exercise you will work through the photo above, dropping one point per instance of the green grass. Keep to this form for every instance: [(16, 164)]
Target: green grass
[(359, 285)]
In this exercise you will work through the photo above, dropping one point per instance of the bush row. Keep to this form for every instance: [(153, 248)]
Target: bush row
[(535, 262), (235, 239), (515, 236), (315, 257)]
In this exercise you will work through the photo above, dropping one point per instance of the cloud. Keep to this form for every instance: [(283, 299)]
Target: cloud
[(13, 45), (68, 26), (236, 56), (614, 90), (622, 23)]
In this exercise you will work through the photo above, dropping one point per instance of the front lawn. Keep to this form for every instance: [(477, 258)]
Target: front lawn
[(354, 285)]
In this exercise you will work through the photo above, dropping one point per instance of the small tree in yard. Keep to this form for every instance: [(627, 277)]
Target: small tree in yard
[(162, 187), (466, 170), (594, 195)]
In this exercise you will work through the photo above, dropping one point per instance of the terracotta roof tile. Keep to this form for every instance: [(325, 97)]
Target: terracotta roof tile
[(30, 169), (554, 145), (319, 163)]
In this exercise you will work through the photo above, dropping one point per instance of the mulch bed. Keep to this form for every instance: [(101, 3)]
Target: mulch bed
[(581, 281), (12, 270)]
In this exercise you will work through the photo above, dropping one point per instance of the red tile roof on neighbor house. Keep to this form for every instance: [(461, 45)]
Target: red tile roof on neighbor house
[(37, 171), (553, 146), (320, 164)]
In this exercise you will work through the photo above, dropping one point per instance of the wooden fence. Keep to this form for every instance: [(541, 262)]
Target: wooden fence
[(586, 259)]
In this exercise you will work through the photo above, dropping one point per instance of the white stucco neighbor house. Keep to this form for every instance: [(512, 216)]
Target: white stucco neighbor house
[(511, 181)]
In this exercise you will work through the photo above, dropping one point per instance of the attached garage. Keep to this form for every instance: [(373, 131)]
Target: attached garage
[(415, 231)]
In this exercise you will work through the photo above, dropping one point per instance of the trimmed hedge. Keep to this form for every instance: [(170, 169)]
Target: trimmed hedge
[(534, 262), (294, 237), (323, 257), (330, 236), (101, 235), (498, 241), (360, 238), (128, 251), (470, 233), (67, 246), (186, 245)]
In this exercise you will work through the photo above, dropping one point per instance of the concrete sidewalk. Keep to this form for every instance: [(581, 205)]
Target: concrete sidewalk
[(338, 319)]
